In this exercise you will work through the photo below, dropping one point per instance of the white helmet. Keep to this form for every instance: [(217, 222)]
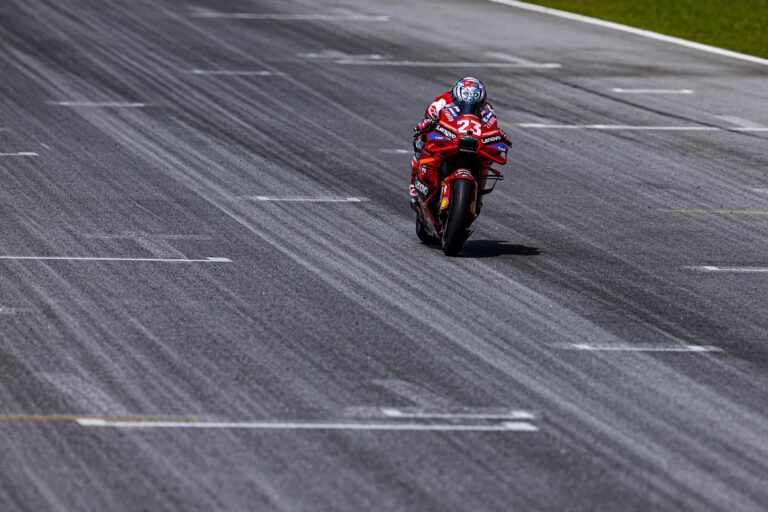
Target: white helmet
[(468, 94)]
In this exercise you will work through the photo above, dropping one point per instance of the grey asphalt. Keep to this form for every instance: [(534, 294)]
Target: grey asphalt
[(332, 313)]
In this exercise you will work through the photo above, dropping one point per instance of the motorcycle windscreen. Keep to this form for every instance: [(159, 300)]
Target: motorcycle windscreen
[(466, 107)]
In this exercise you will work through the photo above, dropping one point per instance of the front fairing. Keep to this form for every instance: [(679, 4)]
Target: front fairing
[(454, 132)]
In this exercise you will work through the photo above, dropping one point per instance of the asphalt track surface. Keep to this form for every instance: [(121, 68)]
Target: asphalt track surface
[(325, 360)]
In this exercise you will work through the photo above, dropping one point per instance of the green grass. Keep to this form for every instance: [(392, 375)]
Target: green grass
[(740, 25)]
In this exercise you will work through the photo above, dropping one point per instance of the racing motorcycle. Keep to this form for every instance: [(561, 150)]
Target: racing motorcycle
[(454, 174)]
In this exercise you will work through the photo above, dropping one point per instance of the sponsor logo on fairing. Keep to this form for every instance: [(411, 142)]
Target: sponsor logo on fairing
[(421, 188), (489, 140), (445, 131)]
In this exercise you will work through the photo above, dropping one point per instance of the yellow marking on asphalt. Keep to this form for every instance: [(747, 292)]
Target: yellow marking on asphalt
[(703, 210), (34, 418)]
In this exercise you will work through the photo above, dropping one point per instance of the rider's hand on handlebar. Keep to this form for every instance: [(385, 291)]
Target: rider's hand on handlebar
[(506, 137), (426, 124)]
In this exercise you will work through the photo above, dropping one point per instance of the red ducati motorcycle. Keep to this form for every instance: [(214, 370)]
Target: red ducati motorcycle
[(454, 173)]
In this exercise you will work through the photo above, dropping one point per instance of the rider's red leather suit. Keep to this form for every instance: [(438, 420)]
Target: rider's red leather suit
[(433, 112)]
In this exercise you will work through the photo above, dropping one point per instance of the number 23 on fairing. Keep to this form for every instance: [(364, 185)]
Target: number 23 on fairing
[(465, 125)]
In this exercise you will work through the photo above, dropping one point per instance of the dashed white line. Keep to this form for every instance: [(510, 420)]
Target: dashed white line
[(616, 127), (652, 91), (625, 348), (287, 17), (98, 104), (632, 30), (510, 426), (510, 415), (22, 153), (431, 64), (509, 58), (396, 151), (312, 199), (713, 268), (225, 72), (334, 54), (96, 258)]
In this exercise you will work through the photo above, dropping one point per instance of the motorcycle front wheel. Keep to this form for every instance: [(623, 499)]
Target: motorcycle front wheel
[(456, 230)]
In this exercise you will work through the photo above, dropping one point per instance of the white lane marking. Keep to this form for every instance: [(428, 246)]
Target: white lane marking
[(652, 91), (22, 153), (509, 58), (607, 127), (288, 17), (225, 72), (98, 104), (510, 426), (96, 258), (334, 54), (760, 190), (617, 127), (312, 199), (46, 146), (510, 415), (430, 64), (712, 268), (620, 348), (397, 151), (632, 30), (743, 124)]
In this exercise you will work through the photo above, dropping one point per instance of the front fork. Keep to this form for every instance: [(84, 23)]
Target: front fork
[(445, 193)]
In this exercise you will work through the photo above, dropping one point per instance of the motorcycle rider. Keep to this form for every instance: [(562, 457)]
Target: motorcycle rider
[(468, 95)]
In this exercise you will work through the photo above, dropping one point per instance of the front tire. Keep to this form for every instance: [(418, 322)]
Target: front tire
[(456, 230)]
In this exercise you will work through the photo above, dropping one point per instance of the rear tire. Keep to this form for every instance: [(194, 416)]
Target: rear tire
[(459, 218), (423, 235)]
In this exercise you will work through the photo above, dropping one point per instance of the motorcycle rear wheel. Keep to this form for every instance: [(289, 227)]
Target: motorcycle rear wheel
[(456, 231)]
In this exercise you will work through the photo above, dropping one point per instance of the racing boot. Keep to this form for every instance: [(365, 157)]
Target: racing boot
[(414, 196)]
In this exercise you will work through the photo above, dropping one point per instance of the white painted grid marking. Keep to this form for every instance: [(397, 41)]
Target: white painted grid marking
[(96, 258), (225, 72), (22, 153), (335, 55), (652, 91), (713, 268), (431, 64), (609, 127), (625, 348), (98, 104), (287, 17), (311, 199), (632, 30), (511, 415), (510, 426)]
